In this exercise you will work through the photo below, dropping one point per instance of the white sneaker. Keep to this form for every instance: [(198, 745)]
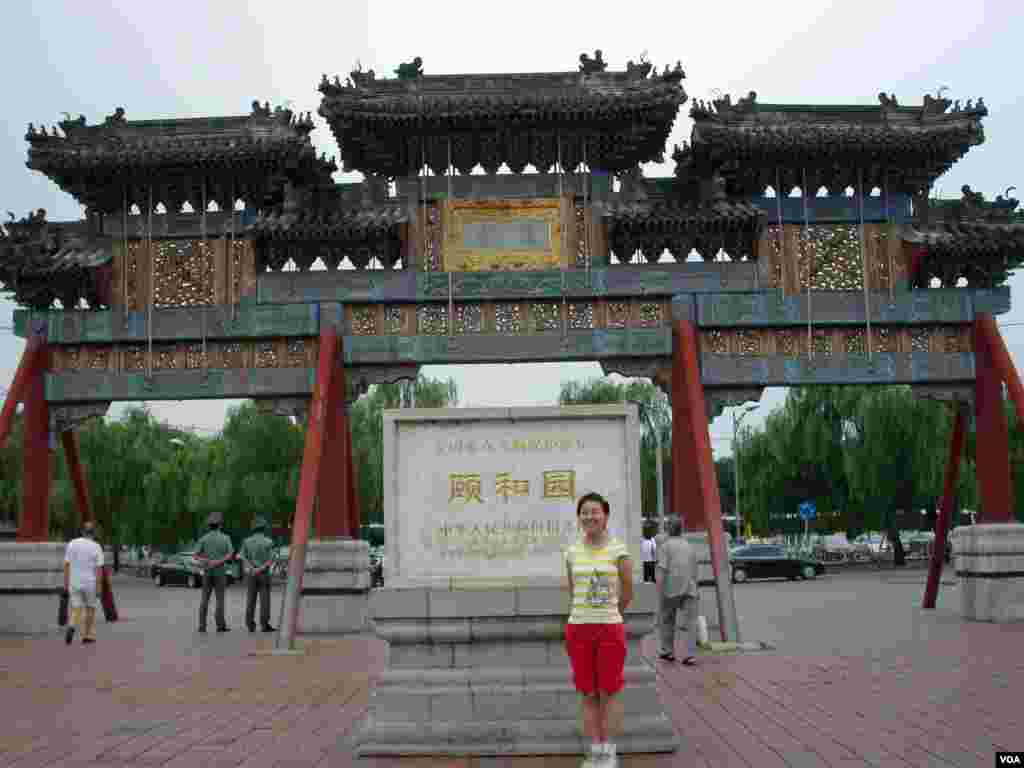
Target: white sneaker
[(594, 760)]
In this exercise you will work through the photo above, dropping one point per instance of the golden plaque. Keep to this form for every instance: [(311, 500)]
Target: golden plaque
[(484, 235)]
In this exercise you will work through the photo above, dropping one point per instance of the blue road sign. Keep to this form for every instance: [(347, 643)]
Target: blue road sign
[(808, 511)]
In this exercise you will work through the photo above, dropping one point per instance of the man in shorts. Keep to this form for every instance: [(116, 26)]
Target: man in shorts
[(83, 564)]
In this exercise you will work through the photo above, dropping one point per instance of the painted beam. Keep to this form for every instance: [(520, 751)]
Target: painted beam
[(717, 371), (925, 307), (879, 368), (178, 323), (837, 209), (405, 285)]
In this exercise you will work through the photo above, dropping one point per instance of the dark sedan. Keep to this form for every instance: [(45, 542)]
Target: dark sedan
[(178, 569), (764, 561)]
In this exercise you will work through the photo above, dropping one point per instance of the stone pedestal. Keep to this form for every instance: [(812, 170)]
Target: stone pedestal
[(335, 587), (989, 559), (31, 580), (485, 672)]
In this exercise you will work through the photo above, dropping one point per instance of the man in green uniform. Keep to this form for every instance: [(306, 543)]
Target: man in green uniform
[(213, 550), (257, 554)]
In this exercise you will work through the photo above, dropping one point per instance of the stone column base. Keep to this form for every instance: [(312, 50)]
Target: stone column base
[(989, 560), (31, 581), (335, 587), (484, 672)]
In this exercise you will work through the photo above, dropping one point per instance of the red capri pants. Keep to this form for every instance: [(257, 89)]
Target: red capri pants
[(598, 654)]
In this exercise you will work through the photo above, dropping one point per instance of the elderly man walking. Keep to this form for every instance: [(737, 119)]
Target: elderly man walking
[(83, 565), (676, 577)]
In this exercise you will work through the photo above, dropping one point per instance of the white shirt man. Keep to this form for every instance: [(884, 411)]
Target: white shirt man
[(648, 556), (83, 565)]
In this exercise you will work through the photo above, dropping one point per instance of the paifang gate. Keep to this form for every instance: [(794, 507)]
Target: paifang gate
[(823, 260)]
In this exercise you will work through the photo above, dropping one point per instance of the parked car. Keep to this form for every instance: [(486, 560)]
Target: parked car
[(178, 569), (765, 561)]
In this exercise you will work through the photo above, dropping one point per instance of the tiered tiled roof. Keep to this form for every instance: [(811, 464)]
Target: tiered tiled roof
[(905, 149), (610, 120), (247, 156)]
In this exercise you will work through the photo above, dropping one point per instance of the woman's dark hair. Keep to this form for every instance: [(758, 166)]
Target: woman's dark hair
[(593, 497)]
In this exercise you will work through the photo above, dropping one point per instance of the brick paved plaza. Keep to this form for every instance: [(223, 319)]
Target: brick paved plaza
[(860, 676)]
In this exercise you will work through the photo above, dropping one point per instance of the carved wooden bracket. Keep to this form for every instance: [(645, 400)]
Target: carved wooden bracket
[(361, 377), (65, 417)]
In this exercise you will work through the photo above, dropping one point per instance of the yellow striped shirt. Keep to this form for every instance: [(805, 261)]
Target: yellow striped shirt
[(595, 587)]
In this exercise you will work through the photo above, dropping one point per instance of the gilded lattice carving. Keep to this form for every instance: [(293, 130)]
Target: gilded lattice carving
[(266, 355), (132, 299), (821, 341), (581, 315), (748, 342), (364, 321), (883, 340), (71, 359), (296, 353), (237, 248), (183, 273), (135, 358), (99, 358), (650, 314), (546, 316), (469, 318), (919, 339), (392, 320), (882, 267), (581, 236), (954, 342), (432, 319), (856, 342), (618, 314), (432, 255), (508, 317), (715, 342), (773, 234), (232, 355), (785, 343), (196, 356), (832, 253), (164, 358)]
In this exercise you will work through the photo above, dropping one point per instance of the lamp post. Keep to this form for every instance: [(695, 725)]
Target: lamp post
[(736, 421), (646, 416)]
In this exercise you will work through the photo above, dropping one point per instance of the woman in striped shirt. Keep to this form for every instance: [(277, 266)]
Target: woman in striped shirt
[(599, 575)]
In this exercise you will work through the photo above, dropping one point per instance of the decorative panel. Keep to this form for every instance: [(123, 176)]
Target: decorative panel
[(919, 339), (133, 286), (832, 254), (392, 320), (266, 355), (856, 341), (232, 355), (785, 343), (432, 258), (714, 342), (432, 319), (511, 234), (164, 357), (650, 314), (618, 314), (508, 317), (748, 342), (468, 318), (546, 316), (581, 315), (883, 340), (821, 341), (297, 353), (134, 358), (364, 320), (580, 216), (196, 357), (183, 272)]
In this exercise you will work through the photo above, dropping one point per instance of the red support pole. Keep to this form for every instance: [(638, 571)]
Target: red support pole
[(687, 497), (28, 366), (956, 447), (36, 456), (686, 382), (993, 442), (319, 408), (1002, 361), (334, 508), (69, 439)]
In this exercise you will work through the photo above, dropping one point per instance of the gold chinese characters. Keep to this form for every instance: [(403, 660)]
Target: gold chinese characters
[(560, 484), (466, 487)]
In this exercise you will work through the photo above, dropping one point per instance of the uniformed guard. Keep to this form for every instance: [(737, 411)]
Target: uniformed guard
[(213, 550), (257, 554)]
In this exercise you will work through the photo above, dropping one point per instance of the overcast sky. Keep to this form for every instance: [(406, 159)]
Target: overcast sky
[(189, 59)]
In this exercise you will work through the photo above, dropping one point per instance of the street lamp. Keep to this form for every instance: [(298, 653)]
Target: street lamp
[(737, 418), (646, 416)]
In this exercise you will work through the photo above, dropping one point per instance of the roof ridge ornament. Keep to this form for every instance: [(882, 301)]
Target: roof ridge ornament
[(590, 66)]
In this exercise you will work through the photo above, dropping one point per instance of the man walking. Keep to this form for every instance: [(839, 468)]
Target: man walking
[(212, 551), (83, 563), (676, 577), (257, 554)]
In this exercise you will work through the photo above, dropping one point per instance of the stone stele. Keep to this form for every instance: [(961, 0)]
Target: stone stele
[(473, 610)]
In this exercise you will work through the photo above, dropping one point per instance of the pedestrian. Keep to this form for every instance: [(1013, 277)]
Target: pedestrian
[(599, 577), (213, 550), (257, 554), (677, 591), (648, 554), (83, 563)]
